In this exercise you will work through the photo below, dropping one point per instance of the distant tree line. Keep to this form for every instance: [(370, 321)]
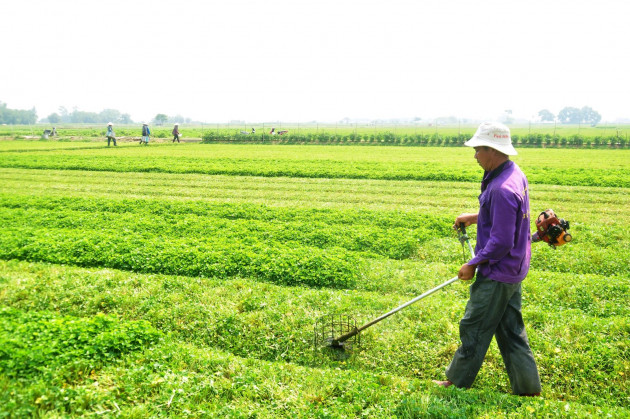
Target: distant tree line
[(161, 119), (572, 115), (17, 116), (105, 116), (83, 117)]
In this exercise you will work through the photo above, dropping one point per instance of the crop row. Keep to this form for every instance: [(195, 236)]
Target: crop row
[(314, 197), (216, 257), (320, 248), (239, 240), (395, 238), (410, 139), (172, 211), (558, 171)]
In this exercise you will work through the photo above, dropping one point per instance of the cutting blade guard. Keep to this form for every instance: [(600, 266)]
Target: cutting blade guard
[(328, 328)]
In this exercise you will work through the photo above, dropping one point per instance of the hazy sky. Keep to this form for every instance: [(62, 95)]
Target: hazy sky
[(302, 60)]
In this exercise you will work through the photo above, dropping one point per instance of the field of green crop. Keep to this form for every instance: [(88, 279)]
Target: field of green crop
[(185, 280), (535, 134)]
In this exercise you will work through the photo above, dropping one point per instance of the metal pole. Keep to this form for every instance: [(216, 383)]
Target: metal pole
[(463, 237), (354, 332)]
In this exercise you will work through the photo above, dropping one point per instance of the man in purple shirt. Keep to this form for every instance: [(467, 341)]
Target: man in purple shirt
[(503, 252)]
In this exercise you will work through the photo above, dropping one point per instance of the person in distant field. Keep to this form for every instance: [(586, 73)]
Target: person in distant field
[(54, 132), (145, 134), (253, 130), (501, 263), (273, 131), (176, 133), (111, 136)]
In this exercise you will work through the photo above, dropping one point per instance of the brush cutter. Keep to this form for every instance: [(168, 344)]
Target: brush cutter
[(340, 331)]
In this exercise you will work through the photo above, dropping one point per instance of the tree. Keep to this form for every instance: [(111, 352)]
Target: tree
[(589, 116), (17, 116), (109, 115), (586, 115), (160, 119), (79, 117), (546, 116), (175, 119), (63, 113), (125, 119), (570, 115), (54, 118)]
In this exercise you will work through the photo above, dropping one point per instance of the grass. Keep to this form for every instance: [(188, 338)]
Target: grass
[(240, 345)]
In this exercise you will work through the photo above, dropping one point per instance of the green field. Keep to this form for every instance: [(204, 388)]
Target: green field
[(184, 280), (534, 134)]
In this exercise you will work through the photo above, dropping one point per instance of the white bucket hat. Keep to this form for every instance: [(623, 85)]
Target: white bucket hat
[(110, 124), (493, 135)]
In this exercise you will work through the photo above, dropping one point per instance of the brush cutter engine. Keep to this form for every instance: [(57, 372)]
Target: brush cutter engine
[(551, 229)]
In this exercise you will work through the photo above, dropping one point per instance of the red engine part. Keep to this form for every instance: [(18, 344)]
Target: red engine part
[(551, 229)]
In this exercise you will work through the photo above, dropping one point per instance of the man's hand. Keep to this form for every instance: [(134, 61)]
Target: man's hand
[(465, 218), (466, 272)]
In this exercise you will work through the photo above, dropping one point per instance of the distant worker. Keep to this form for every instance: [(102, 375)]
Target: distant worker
[(253, 130), (176, 133), (145, 134), (54, 132), (273, 131), (111, 136)]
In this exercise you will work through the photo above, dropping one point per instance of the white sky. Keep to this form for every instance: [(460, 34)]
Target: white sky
[(303, 60)]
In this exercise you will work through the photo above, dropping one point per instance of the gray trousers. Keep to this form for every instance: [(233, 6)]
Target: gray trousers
[(494, 309)]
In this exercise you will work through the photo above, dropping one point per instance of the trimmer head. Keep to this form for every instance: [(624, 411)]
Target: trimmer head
[(329, 328)]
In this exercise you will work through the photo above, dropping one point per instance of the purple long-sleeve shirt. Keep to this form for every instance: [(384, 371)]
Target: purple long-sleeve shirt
[(503, 234)]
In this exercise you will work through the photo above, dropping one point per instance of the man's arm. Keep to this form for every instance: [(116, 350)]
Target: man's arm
[(503, 213)]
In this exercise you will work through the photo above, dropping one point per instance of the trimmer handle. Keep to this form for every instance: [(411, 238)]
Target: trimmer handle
[(463, 238)]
